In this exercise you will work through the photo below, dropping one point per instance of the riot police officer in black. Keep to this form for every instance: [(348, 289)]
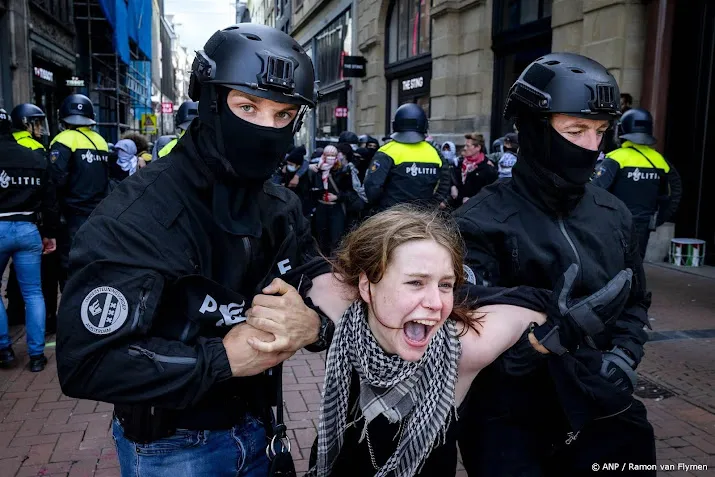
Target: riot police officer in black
[(79, 166), (25, 193), (166, 269), (558, 413), (30, 130)]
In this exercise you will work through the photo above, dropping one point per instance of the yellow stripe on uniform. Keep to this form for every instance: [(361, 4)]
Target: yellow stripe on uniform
[(627, 157), (421, 152)]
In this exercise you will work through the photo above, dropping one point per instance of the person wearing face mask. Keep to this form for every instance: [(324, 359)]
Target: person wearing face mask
[(558, 411), (164, 271), (336, 200)]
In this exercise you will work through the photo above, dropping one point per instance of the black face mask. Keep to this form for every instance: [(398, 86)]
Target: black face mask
[(253, 151), (572, 163)]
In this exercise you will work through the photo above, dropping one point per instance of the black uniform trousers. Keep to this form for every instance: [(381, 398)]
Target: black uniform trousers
[(521, 411), (64, 243), (643, 233), (329, 226)]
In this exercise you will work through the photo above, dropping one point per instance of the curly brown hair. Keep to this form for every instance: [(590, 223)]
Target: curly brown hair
[(369, 248), (141, 142)]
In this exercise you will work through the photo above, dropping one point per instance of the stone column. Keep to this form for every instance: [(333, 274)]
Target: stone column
[(371, 94), (462, 69), (20, 66), (611, 32)]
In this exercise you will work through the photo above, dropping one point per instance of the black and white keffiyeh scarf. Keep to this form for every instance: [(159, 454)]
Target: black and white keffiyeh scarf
[(420, 395)]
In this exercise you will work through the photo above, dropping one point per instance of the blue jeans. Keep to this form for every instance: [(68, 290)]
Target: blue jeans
[(236, 452), (21, 241)]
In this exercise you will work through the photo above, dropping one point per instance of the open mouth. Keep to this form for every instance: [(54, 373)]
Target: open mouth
[(417, 332)]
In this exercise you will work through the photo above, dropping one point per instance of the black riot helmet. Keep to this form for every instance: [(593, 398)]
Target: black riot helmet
[(23, 115), (348, 137), (565, 83), (410, 124), (637, 126), (5, 122), (255, 59), (77, 110), (186, 113)]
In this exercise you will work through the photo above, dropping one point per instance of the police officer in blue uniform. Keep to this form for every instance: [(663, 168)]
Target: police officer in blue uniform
[(640, 176), (408, 168), (79, 166)]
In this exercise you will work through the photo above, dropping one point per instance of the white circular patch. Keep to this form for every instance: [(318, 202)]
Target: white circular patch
[(469, 275), (104, 310)]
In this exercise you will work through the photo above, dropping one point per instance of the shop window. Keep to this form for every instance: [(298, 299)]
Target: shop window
[(515, 13), (60, 10), (331, 45), (409, 29)]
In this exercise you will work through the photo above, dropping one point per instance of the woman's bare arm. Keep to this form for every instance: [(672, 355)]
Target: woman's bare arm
[(331, 295), (499, 329)]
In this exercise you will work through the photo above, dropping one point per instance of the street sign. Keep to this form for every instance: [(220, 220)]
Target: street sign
[(354, 67), (148, 123), (167, 108), (341, 112)]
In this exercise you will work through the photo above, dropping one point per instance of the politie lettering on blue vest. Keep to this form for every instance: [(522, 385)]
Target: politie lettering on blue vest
[(414, 170), (90, 157), (6, 180), (637, 175)]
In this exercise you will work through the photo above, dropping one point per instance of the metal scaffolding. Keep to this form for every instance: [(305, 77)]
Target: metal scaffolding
[(121, 91)]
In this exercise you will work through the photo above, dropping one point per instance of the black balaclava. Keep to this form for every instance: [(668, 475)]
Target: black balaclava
[(554, 170), (241, 155), (253, 151)]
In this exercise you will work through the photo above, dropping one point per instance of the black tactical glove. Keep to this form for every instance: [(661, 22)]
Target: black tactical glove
[(617, 369), (570, 320)]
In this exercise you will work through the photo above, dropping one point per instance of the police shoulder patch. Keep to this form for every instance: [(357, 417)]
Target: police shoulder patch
[(104, 310), (54, 155), (375, 166), (469, 275)]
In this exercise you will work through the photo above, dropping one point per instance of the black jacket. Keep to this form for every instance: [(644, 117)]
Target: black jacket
[(643, 179), (482, 176), (79, 166), (406, 173), (25, 186), (156, 283), (513, 239)]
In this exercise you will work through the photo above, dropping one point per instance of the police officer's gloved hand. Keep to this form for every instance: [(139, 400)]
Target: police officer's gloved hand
[(617, 369), (589, 315)]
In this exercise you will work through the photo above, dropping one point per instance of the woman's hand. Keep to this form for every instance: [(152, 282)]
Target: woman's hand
[(332, 197)]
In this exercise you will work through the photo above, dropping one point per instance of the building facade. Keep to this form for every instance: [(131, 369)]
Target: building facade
[(37, 46), (326, 30)]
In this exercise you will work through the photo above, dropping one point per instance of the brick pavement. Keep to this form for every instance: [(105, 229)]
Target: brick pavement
[(43, 433)]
